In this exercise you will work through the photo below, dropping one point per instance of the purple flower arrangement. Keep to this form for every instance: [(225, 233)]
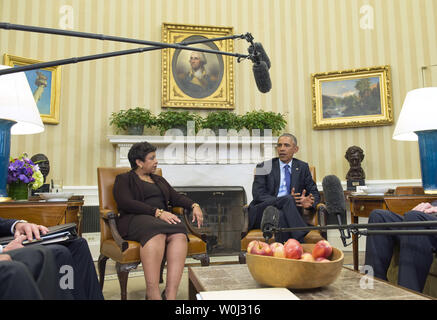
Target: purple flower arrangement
[(21, 169)]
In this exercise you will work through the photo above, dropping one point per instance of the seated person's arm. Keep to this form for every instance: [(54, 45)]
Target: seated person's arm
[(125, 199), (21, 227), (259, 190)]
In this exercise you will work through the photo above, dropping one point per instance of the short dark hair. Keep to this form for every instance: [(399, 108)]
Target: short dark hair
[(139, 151), (289, 135)]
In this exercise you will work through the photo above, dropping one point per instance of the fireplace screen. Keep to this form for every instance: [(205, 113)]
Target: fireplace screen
[(223, 216)]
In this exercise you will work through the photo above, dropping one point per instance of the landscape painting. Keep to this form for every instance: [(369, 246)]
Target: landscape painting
[(352, 98)]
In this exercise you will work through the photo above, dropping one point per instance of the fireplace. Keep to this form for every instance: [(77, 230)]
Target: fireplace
[(223, 219)]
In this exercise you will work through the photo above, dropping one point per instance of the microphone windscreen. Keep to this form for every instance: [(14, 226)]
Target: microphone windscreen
[(334, 196), (262, 76), (259, 49), (270, 218)]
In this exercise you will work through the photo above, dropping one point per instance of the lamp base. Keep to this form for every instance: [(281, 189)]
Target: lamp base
[(428, 159), (5, 147)]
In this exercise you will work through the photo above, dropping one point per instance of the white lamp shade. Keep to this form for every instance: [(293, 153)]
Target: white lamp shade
[(17, 103), (419, 113)]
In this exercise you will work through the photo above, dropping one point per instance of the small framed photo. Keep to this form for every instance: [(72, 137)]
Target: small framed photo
[(45, 85), (193, 79), (352, 98)]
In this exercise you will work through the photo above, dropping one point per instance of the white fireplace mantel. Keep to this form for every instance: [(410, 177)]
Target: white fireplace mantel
[(203, 160), (199, 150)]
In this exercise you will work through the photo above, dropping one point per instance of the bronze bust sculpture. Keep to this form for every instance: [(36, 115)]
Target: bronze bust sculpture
[(355, 176), (44, 166)]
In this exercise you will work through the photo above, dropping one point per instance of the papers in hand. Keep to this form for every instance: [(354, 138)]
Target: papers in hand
[(56, 234)]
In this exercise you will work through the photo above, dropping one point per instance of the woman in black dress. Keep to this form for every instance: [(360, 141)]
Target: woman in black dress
[(142, 199)]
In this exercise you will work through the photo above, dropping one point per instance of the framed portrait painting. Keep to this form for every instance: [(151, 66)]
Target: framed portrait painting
[(193, 79), (352, 98), (45, 85)]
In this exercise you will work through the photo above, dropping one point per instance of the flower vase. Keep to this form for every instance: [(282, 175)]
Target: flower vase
[(19, 191)]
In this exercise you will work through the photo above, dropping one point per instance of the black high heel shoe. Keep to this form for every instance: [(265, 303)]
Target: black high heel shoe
[(163, 296)]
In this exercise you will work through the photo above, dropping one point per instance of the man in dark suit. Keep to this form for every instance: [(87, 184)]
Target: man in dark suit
[(415, 251), (284, 183), (27, 273), (71, 262)]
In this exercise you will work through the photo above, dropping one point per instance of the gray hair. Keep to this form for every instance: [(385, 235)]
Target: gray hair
[(289, 135), (201, 55)]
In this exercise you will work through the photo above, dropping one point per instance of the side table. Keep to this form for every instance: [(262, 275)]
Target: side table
[(47, 213)]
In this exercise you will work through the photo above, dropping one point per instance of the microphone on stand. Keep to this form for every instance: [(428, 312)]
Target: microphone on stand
[(334, 200), (269, 222)]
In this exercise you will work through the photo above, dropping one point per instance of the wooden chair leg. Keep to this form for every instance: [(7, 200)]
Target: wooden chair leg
[(123, 275), (242, 258), (204, 260), (101, 265)]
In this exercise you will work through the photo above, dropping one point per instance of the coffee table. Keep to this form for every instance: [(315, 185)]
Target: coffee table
[(350, 285)]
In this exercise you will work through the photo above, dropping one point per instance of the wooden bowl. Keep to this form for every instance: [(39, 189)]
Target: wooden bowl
[(295, 274)]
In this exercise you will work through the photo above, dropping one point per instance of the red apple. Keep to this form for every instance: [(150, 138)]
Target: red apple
[(321, 259), (293, 249), (261, 248), (307, 257), (322, 249), (277, 249), (250, 245)]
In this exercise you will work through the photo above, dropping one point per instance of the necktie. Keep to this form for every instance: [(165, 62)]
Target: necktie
[(287, 178)]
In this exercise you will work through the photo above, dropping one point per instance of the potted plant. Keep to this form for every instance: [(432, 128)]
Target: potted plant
[(132, 120), (22, 174), (216, 120), (177, 120), (259, 119)]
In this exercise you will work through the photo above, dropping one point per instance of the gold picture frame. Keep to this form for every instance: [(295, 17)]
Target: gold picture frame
[(45, 85), (214, 87), (352, 98)]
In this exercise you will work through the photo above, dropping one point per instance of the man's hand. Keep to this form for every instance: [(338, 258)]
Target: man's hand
[(431, 210), (30, 230), (425, 207), (17, 243), (302, 200)]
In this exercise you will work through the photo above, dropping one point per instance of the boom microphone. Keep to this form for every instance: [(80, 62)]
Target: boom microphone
[(269, 221), (257, 49), (334, 199), (262, 76)]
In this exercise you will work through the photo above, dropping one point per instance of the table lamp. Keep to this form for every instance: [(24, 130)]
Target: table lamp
[(18, 115), (418, 122)]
